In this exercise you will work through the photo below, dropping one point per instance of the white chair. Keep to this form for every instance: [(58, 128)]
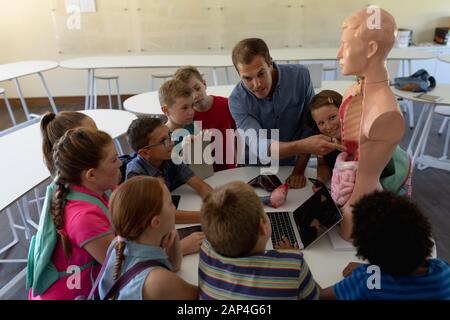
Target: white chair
[(407, 107), (13, 227), (442, 127), (445, 112), (8, 106), (108, 78), (161, 75), (315, 72)]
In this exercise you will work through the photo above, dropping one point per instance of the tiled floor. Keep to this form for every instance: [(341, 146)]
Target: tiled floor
[(430, 190)]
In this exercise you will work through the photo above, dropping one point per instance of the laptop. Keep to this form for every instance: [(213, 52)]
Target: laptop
[(306, 224)]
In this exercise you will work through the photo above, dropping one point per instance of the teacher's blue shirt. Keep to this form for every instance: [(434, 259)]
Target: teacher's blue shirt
[(285, 110)]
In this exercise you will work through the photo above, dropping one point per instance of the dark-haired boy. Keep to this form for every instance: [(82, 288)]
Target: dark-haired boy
[(395, 237)]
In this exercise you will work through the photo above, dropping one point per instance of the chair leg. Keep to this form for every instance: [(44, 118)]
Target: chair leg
[(8, 107), (118, 146), (410, 110), (119, 99), (95, 94), (445, 153), (442, 127), (109, 94), (13, 230)]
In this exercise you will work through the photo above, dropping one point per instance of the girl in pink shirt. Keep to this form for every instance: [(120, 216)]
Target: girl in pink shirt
[(85, 162)]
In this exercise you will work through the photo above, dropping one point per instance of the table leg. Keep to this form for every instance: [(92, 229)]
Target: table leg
[(94, 90), (227, 75), (91, 89), (416, 131), (423, 136), (215, 79), (50, 98), (22, 99), (86, 99)]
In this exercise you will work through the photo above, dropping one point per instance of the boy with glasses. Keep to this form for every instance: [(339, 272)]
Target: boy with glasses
[(150, 139)]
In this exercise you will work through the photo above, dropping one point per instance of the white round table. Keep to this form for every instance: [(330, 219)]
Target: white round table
[(24, 168), (445, 58), (326, 263), (417, 148), (148, 102), (13, 71)]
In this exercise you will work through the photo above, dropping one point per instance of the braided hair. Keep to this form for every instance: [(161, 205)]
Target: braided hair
[(53, 126), (77, 150), (132, 207)]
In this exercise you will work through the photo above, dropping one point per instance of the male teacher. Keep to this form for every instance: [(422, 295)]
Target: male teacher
[(275, 96)]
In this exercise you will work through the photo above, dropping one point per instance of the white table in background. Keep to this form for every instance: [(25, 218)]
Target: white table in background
[(145, 61), (23, 169), (445, 58), (417, 148), (325, 263), (405, 55), (148, 102), (13, 71)]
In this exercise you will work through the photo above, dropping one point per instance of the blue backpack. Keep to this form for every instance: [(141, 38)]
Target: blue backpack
[(419, 81), (41, 272), (125, 158)]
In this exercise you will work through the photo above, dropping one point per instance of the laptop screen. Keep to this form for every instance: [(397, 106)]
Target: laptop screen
[(316, 216)]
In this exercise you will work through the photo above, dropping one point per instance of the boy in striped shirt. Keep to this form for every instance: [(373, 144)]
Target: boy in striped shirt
[(233, 261), (395, 237)]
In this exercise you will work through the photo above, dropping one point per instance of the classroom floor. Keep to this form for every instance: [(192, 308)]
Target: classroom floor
[(430, 191)]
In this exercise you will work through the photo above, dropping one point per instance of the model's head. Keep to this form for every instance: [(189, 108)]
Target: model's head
[(254, 65), (391, 232), (367, 37)]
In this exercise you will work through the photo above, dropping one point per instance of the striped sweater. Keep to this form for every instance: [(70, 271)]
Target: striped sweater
[(270, 275)]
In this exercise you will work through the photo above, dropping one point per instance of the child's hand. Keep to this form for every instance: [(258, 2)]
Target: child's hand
[(286, 244), (296, 181), (169, 240), (350, 267), (192, 243)]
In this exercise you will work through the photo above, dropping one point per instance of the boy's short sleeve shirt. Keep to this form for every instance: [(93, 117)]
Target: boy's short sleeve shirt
[(363, 284), (174, 175)]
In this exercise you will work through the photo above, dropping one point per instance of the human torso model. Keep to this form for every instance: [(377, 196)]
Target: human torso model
[(372, 123)]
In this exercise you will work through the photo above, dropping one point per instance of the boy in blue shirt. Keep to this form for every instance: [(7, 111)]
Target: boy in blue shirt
[(395, 237), (150, 139)]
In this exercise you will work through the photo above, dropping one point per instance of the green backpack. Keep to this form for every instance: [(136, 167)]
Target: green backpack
[(400, 167), (41, 272)]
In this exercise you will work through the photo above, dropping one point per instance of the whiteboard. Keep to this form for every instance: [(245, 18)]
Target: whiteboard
[(158, 26)]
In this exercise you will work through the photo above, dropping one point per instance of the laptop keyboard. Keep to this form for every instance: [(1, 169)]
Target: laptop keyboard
[(281, 226)]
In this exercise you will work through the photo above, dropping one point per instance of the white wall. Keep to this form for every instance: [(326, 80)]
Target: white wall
[(36, 29)]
